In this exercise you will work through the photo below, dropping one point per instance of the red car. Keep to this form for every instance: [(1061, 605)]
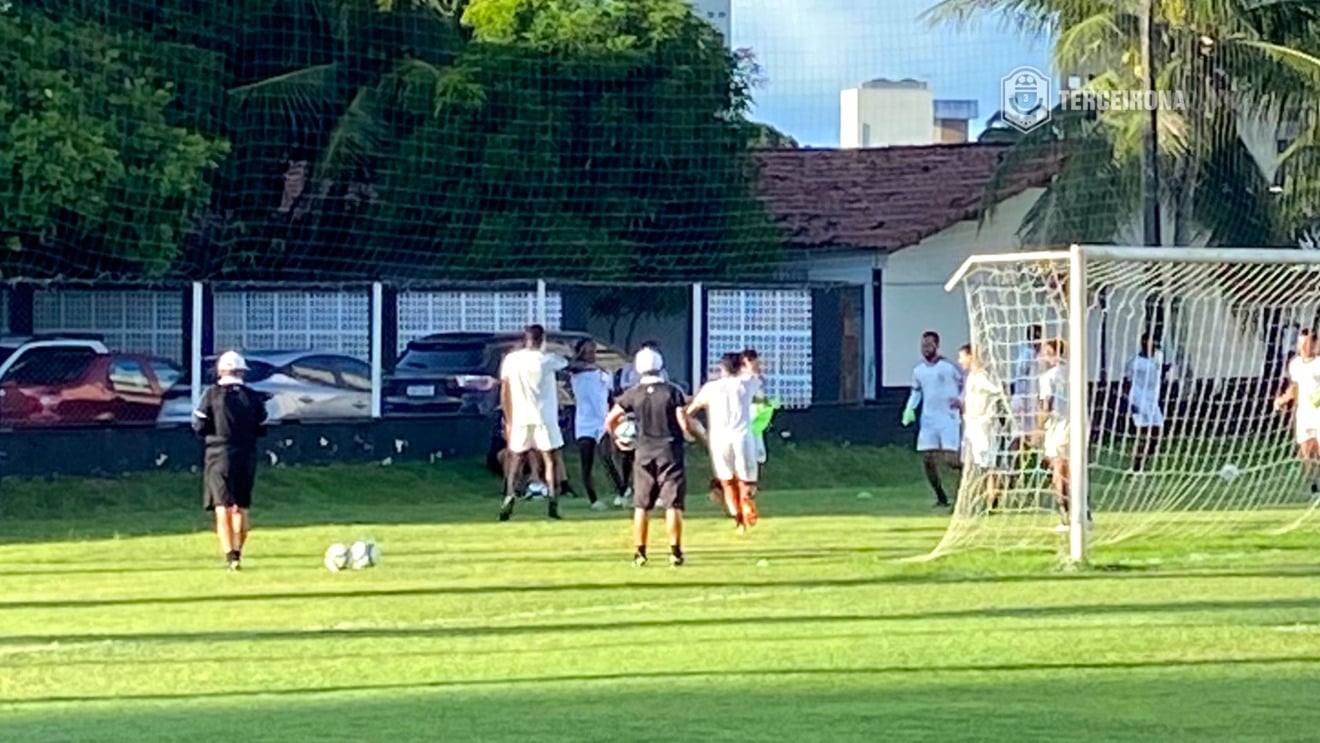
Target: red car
[(80, 387)]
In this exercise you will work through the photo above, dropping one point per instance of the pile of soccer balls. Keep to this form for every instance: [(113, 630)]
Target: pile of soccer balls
[(360, 556)]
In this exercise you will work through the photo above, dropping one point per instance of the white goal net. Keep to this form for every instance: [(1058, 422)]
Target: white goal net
[(1182, 437)]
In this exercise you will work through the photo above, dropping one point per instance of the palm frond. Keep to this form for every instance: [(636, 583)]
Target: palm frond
[(307, 89)]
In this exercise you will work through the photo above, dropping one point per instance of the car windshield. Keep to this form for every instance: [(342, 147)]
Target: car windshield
[(443, 357), (52, 366)]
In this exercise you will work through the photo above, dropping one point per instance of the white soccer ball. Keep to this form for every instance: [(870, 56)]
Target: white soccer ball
[(1229, 472), (363, 555), (336, 557), (625, 434), (537, 489)]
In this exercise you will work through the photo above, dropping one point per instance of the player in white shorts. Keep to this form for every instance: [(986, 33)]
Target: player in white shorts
[(1054, 401), (754, 376), (1304, 391), (937, 388), (983, 404), (1144, 382), (1027, 370), (529, 397), (727, 401)]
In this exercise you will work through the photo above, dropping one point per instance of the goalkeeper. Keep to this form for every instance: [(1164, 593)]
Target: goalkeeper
[(937, 389), (1304, 390)]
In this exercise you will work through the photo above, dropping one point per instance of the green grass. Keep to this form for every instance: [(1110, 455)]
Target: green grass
[(117, 623)]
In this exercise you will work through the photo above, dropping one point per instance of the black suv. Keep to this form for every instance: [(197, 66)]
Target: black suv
[(459, 372)]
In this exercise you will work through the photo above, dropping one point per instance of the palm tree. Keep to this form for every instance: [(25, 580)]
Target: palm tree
[(1248, 71)]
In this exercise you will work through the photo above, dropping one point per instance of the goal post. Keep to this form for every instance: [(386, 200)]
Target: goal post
[(1174, 358)]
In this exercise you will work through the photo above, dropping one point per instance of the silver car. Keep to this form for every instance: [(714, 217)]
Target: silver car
[(303, 386)]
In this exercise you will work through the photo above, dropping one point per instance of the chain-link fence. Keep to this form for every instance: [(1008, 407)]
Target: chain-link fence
[(86, 355)]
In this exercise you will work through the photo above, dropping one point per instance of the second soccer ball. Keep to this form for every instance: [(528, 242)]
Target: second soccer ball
[(1229, 472)]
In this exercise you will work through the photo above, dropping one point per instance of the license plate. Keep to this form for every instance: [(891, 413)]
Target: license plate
[(421, 391)]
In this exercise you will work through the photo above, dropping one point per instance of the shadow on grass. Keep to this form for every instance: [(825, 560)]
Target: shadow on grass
[(454, 491), (706, 675), (514, 630)]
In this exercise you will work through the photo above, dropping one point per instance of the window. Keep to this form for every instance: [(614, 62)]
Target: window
[(50, 366), (127, 375), (167, 374), (356, 375), (316, 370)]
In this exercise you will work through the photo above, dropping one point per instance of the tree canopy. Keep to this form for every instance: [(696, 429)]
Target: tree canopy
[(409, 139)]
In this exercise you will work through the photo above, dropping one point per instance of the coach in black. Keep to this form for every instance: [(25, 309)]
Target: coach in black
[(232, 417), (659, 470)]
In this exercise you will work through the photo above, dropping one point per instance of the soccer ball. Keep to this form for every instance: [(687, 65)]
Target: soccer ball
[(625, 434), (363, 555), (537, 489), (1229, 472), (336, 557)]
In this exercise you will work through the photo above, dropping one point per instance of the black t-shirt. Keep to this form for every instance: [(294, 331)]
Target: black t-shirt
[(655, 405), (232, 417)]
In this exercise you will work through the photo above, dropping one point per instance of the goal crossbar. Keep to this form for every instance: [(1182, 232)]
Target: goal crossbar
[(1254, 256)]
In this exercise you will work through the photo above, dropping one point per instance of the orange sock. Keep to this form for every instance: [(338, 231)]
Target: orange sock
[(748, 504), (731, 499)]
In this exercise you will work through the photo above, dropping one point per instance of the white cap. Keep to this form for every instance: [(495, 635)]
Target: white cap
[(230, 361), (648, 361)]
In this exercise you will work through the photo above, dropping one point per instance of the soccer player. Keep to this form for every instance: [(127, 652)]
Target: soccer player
[(983, 404), (591, 395), (1143, 382), (1054, 401), (752, 373), (1304, 391), (1027, 371), (659, 469), (727, 401), (231, 417), (529, 397), (629, 376), (937, 388)]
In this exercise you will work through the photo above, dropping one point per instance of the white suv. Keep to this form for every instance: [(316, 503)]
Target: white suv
[(15, 350)]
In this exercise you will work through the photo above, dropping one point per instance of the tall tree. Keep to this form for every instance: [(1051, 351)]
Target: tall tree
[(102, 173), (1240, 67)]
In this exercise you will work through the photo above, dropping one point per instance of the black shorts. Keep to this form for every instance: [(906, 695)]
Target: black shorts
[(660, 482), (228, 478)]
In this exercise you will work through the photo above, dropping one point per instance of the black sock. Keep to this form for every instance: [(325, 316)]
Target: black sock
[(933, 477), (676, 551), (641, 551)]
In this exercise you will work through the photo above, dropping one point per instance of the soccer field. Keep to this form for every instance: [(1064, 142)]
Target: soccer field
[(117, 622)]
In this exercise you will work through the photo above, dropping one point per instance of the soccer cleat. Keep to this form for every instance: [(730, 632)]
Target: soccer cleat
[(506, 508), (741, 530), (599, 506), (639, 560), (1062, 528), (618, 501), (554, 511), (676, 561)]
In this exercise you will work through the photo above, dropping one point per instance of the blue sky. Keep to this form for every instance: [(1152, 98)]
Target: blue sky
[(812, 49)]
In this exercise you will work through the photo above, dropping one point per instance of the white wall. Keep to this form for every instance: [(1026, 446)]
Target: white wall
[(913, 299), (897, 117)]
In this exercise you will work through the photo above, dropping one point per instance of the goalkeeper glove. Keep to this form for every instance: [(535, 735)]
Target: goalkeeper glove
[(909, 415)]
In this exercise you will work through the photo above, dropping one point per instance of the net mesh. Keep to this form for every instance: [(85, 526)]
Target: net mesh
[(1185, 438)]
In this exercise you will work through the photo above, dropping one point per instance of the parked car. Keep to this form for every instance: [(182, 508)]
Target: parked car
[(302, 385), (13, 349), (459, 372), (73, 385)]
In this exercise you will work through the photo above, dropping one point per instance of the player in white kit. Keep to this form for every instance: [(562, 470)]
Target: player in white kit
[(1144, 382), (1054, 401), (1027, 370), (983, 406), (1304, 391), (937, 388)]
